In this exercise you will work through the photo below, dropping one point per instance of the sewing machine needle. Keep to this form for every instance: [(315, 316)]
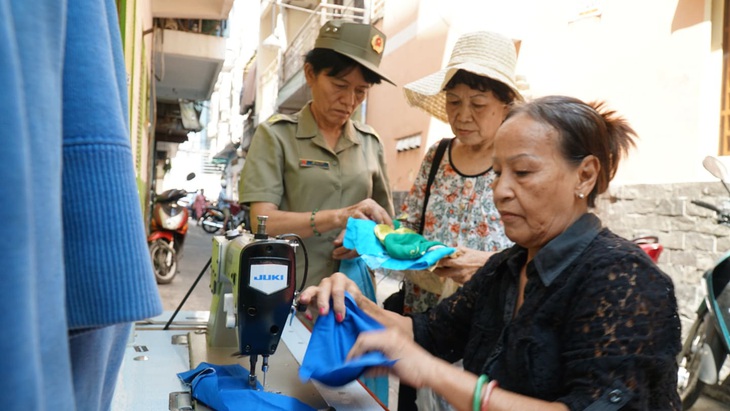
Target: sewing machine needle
[(265, 369)]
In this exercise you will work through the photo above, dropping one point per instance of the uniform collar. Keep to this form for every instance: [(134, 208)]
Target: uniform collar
[(564, 249), (308, 128)]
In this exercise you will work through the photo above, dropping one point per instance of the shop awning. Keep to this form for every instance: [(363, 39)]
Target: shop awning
[(226, 155)]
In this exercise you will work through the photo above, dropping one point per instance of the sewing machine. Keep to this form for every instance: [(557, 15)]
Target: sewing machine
[(253, 283), (253, 290)]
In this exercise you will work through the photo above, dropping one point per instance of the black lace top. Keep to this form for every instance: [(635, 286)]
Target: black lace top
[(598, 325)]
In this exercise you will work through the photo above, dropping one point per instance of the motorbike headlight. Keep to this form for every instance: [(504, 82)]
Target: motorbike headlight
[(174, 222)]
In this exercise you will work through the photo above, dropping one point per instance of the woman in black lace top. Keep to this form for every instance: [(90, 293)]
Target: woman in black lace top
[(573, 316)]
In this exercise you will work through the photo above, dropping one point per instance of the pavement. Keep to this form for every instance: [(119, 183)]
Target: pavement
[(196, 252)]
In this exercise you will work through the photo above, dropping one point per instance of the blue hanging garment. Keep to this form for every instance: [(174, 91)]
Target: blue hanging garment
[(324, 360), (225, 387), (360, 235), (357, 271)]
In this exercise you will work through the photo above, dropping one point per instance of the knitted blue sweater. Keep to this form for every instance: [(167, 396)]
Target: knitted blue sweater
[(72, 245)]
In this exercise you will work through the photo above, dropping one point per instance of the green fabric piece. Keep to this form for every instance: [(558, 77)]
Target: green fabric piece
[(408, 246)]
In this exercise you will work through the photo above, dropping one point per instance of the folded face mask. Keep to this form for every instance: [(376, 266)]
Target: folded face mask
[(324, 360)]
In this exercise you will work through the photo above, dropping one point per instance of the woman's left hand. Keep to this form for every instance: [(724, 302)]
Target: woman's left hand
[(462, 267), (340, 252), (329, 294)]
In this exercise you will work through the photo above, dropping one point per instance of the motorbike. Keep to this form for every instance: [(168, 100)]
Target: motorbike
[(212, 218), (650, 245), (708, 341), (167, 232)]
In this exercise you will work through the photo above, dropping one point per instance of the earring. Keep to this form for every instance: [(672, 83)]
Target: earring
[(581, 196)]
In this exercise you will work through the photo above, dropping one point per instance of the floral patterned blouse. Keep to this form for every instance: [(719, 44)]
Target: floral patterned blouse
[(460, 212)]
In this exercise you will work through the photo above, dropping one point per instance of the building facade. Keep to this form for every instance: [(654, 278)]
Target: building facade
[(174, 52), (661, 64)]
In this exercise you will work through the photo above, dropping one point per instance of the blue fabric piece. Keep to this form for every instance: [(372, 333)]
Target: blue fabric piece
[(324, 360), (360, 235), (357, 271), (225, 387)]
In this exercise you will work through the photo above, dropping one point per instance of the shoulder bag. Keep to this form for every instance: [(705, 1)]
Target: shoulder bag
[(396, 300)]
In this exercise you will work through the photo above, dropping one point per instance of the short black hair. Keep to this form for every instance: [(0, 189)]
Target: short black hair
[(482, 83), (335, 64), (583, 129)]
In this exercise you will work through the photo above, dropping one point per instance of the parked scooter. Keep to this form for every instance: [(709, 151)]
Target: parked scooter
[(650, 245), (212, 219), (708, 341), (167, 232)]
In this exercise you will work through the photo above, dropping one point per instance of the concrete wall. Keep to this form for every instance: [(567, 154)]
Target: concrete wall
[(692, 239)]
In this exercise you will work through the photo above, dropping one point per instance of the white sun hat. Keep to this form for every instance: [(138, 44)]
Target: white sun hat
[(483, 53)]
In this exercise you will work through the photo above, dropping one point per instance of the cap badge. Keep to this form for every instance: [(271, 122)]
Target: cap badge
[(377, 43)]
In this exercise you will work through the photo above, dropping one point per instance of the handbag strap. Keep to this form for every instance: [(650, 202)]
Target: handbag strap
[(431, 175)]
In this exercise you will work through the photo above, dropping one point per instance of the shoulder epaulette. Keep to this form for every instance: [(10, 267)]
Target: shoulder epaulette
[(366, 129), (275, 118)]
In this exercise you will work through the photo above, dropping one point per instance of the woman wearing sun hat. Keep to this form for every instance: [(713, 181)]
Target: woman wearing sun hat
[(310, 171), (473, 94)]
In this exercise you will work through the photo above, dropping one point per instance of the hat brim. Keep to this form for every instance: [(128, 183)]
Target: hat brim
[(370, 66), (335, 46), (428, 92)]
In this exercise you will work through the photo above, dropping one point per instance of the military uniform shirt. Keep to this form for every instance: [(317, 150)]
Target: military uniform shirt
[(290, 164)]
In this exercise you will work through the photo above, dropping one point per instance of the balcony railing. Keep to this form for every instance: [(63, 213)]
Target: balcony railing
[(217, 28)]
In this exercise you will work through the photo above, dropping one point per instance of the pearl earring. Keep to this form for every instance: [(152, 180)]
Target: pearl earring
[(581, 195)]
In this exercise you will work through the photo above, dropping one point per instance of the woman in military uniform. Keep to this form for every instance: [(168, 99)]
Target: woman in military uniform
[(312, 170)]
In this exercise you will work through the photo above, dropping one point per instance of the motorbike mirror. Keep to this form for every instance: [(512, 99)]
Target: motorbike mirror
[(190, 176), (715, 167)]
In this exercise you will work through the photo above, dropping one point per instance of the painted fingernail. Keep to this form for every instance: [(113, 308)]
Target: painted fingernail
[(338, 317), (308, 316), (321, 311)]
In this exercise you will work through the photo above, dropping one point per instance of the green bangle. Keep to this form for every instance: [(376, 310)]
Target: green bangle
[(311, 223), (476, 404)]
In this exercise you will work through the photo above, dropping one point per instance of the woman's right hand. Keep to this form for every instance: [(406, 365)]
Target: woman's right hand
[(413, 365), (367, 209)]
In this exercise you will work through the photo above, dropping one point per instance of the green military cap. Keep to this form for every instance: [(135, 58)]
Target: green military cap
[(360, 42)]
